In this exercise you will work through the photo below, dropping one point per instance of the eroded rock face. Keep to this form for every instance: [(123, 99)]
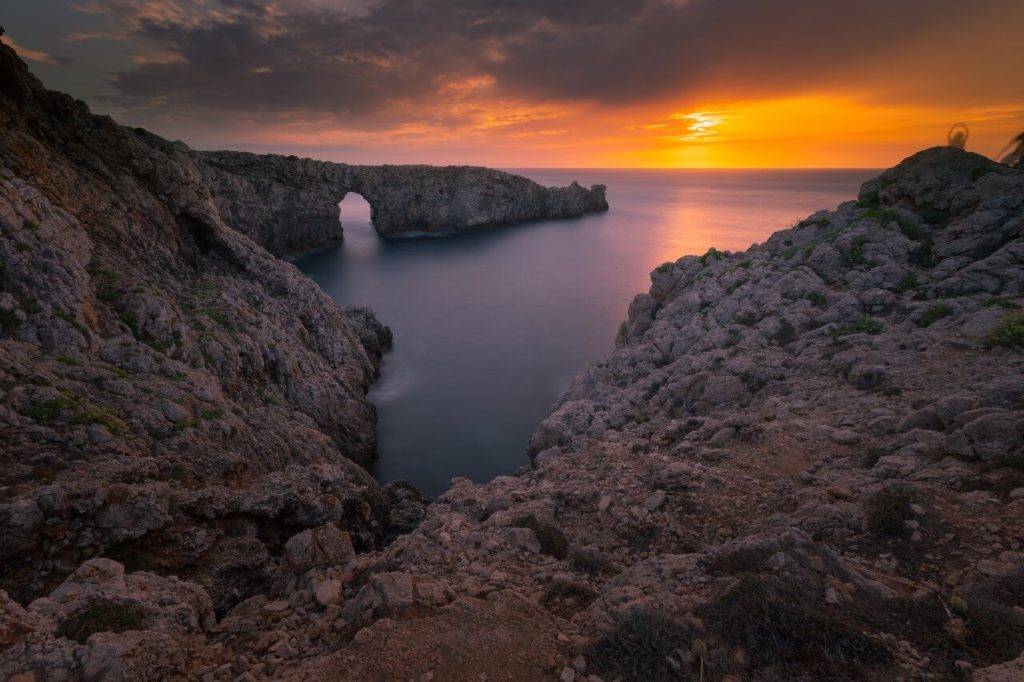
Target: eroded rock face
[(171, 395), (290, 205)]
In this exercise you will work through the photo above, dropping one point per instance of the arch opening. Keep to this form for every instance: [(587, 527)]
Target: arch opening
[(355, 215)]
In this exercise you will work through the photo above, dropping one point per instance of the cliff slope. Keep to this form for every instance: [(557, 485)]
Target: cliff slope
[(171, 395)]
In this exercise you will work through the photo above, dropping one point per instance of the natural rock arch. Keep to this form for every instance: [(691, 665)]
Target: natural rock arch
[(290, 205)]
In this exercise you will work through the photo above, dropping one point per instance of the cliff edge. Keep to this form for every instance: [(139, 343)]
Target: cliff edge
[(171, 395)]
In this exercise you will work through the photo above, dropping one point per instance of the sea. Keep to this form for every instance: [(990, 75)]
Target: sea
[(490, 327)]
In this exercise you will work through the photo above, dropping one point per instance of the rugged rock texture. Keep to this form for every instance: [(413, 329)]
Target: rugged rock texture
[(171, 395), (290, 205), (803, 461)]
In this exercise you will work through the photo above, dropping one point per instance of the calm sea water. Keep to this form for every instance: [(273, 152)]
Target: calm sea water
[(491, 327)]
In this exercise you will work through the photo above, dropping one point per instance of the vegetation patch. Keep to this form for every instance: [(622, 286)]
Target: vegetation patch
[(992, 614), (640, 645), (872, 456), (817, 298), (1004, 302), (9, 321), (82, 329), (1007, 332), (908, 282), (103, 615), (981, 170), (589, 560), (934, 314), (552, 540), (864, 325), (49, 410), (91, 414), (712, 254), (855, 256), (887, 510), (784, 630), (869, 200)]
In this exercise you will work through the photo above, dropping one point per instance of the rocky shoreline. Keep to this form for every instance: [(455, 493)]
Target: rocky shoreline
[(802, 461)]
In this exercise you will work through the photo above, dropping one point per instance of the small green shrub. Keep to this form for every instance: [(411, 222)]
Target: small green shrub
[(783, 628), (47, 411), (67, 317), (817, 298), (886, 511), (552, 540), (984, 169), (220, 317), (640, 645), (872, 456), (747, 319), (589, 560), (665, 268), (103, 615), (869, 200), (911, 229), (92, 414), (934, 314), (712, 254), (908, 282), (1004, 302), (995, 624), (864, 325), (9, 321), (855, 256), (1008, 332)]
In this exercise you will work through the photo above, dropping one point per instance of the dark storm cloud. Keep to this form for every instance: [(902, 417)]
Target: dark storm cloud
[(378, 62)]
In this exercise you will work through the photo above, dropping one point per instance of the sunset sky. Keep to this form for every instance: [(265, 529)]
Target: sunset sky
[(527, 83)]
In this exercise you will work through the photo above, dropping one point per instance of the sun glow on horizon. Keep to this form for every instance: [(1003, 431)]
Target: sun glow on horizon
[(808, 131)]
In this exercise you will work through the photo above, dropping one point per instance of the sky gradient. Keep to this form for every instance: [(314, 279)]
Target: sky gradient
[(530, 83)]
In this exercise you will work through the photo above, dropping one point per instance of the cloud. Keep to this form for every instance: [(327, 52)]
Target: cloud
[(32, 55), (379, 64)]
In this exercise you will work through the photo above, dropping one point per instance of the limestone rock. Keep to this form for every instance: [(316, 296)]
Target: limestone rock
[(318, 548)]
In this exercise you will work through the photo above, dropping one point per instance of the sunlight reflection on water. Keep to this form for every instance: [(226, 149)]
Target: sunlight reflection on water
[(490, 327)]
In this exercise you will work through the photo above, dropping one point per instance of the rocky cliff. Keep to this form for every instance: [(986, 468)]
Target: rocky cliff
[(290, 205), (171, 395), (802, 461)]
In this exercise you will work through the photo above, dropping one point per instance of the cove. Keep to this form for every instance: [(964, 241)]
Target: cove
[(491, 326)]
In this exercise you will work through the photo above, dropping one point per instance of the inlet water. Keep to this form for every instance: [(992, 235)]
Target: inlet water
[(490, 327)]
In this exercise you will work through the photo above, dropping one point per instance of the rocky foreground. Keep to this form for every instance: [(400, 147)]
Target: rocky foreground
[(803, 461)]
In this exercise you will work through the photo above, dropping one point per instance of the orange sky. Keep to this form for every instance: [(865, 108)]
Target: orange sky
[(528, 83)]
